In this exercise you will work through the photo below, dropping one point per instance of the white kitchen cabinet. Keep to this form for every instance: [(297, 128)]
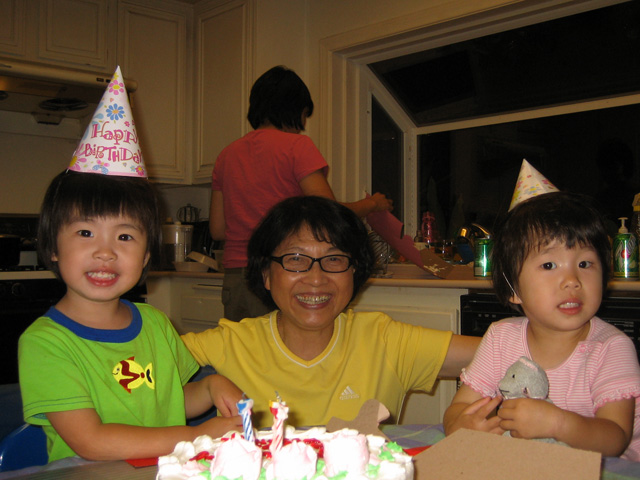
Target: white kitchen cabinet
[(193, 303), (223, 76), (152, 49), (13, 28), (78, 32), (74, 33), (437, 308)]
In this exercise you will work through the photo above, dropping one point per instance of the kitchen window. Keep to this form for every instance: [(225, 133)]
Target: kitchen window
[(564, 94)]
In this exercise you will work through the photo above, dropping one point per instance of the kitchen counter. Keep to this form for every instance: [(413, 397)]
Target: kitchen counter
[(615, 287)]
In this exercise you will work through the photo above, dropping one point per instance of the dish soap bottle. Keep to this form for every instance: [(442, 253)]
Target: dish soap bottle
[(625, 254)]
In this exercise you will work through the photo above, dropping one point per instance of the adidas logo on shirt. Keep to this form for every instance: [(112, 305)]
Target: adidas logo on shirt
[(348, 394)]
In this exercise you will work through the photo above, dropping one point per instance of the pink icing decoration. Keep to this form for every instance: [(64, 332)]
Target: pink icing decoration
[(293, 461), (237, 458), (347, 451)]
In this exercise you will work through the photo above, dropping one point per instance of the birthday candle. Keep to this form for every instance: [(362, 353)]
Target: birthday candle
[(280, 413), (244, 408)]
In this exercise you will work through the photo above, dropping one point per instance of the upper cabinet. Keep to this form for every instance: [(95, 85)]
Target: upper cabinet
[(75, 33), (191, 60), (223, 79), (153, 51), (13, 28)]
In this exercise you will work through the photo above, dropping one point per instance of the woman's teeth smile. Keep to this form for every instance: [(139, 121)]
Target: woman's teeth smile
[(313, 299)]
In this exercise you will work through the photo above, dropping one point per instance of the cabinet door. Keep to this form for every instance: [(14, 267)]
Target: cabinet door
[(223, 81), (13, 28), (80, 32), (153, 52), (201, 307)]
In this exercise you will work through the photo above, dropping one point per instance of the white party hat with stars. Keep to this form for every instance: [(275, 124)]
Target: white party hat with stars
[(530, 183)]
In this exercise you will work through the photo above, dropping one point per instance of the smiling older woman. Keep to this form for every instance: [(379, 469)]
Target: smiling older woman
[(308, 259)]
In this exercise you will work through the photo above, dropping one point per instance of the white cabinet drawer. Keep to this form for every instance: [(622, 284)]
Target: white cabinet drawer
[(201, 307)]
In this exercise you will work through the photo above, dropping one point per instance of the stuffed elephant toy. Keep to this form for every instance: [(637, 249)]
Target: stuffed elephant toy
[(526, 379)]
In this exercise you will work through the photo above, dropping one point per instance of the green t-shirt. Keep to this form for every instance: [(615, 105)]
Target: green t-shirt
[(369, 356), (133, 376)]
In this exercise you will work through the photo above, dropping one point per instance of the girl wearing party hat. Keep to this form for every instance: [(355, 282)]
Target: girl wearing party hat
[(106, 378), (551, 262)]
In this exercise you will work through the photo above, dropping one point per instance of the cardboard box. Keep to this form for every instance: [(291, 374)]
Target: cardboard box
[(468, 454)]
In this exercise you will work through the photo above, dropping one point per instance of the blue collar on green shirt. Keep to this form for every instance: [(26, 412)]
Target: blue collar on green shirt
[(99, 335)]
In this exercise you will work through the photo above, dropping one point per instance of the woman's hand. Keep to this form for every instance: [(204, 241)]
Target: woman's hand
[(381, 203)]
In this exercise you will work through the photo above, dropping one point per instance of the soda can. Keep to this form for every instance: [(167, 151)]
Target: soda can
[(625, 257), (482, 261)]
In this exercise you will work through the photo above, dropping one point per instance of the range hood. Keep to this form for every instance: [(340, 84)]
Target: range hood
[(51, 93)]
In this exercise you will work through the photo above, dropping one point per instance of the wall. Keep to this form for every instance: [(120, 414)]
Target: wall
[(288, 32)]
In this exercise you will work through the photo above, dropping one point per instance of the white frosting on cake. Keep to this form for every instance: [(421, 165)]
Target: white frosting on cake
[(348, 455)]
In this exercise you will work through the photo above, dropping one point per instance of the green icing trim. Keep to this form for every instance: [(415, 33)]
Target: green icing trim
[(394, 447), (372, 470), (386, 455)]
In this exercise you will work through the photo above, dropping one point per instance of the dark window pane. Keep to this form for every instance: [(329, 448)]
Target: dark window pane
[(470, 174), (386, 157), (589, 55)]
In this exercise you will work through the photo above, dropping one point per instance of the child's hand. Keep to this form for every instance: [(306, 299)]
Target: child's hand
[(475, 417), (225, 395), (218, 426), (529, 418)]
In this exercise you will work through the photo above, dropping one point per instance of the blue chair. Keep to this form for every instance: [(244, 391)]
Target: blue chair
[(24, 447)]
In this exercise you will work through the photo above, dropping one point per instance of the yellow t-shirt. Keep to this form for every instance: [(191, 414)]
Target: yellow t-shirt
[(369, 356)]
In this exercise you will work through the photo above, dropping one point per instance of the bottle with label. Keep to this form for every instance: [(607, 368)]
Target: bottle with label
[(625, 254), (428, 229)]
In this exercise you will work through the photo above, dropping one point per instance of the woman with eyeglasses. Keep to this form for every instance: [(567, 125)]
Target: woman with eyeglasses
[(307, 260)]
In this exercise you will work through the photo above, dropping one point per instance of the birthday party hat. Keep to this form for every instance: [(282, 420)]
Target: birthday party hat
[(110, 145), (530, 183)]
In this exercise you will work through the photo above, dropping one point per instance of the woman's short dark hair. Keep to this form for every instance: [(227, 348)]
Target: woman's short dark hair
[(328, 221), (569, 218), (279, 97), (73, 195)]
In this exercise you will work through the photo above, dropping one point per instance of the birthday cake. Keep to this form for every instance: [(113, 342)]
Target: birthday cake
[(313, 454)]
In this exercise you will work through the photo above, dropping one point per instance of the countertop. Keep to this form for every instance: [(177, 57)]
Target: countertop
[(616, 287)]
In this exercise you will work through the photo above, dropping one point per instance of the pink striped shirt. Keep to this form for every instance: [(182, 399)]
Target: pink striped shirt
[(602, 368)]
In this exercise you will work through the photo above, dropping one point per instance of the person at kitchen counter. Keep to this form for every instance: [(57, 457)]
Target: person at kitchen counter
[(308, 259), (269, 164), (108, 379), (551, 261)]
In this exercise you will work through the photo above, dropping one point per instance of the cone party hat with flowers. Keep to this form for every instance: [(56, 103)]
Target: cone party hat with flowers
[(530, 184), (110, 145)]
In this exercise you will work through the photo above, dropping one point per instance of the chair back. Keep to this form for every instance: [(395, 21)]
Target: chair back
[(24, 447)]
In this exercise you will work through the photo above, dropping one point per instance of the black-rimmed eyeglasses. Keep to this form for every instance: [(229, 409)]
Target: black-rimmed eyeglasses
[(297, 262)]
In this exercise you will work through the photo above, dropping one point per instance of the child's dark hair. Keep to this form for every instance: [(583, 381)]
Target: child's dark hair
[(328, 221), (569, 218), (279, 97), (73, 195)]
